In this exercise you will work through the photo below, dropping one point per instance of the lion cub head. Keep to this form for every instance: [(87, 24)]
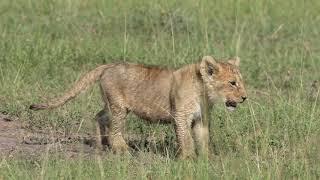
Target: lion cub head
[(223, 80)]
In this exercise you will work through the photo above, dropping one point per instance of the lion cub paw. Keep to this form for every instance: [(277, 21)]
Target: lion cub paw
[(120, 147), (187, 156)]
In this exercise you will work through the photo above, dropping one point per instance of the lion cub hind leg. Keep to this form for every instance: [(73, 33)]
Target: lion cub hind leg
[(118, 117), (103, 125)]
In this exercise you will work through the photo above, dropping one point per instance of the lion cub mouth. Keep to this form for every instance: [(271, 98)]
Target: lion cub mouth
[(231, 105)]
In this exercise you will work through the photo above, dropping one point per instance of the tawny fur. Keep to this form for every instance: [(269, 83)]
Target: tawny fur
[(160, 95)]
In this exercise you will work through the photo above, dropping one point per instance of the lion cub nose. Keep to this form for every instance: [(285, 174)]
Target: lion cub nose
[(243, 98)]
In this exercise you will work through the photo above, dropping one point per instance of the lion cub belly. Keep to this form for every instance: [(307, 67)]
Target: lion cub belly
[(153, 116), (155, 107)]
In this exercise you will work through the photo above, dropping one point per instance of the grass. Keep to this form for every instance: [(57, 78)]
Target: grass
[(46, 45)]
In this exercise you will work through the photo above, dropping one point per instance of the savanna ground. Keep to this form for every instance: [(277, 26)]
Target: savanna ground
[(46, 45)]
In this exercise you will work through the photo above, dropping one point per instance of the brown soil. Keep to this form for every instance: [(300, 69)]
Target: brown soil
[(17, 140)]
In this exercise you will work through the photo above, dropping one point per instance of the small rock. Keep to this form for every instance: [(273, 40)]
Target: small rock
[(5, 117)]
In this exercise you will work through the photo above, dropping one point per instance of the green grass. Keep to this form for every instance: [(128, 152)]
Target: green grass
[(46, 45)]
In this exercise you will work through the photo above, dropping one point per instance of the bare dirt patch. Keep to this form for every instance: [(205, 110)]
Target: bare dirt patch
[(16, 139)]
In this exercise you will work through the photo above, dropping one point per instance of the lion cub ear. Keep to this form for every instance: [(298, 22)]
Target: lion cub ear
[(208, 66), (235, 61)]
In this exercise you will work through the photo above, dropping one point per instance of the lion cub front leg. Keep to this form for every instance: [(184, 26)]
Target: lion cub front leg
[(184, 135), (201, 137)]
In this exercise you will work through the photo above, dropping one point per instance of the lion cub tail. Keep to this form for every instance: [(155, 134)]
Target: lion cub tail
[(85, 81)]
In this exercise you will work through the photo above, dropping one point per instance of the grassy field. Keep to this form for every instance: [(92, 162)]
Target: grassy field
[(46, 45)]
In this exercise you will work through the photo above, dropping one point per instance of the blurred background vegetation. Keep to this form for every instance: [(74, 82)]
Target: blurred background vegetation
[(46, 45)]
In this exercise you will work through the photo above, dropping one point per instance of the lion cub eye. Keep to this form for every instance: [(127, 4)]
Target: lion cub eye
[(233, 83)]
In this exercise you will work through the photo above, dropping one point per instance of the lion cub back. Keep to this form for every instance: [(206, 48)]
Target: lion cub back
[(141, 89)]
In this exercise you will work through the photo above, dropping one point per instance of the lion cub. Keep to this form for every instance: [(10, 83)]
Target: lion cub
[(156, 94)]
